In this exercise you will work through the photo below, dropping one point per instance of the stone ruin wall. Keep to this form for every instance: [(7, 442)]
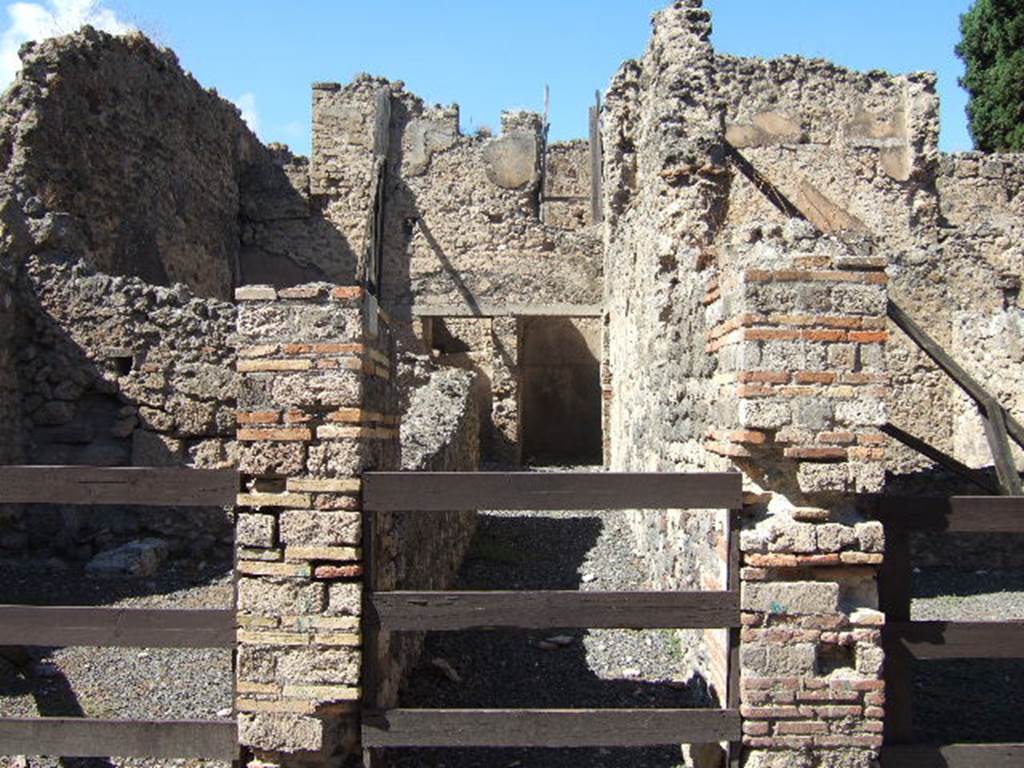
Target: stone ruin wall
[(464, 250), (132, 202), (657, 237), (983, 214), (738, 338)]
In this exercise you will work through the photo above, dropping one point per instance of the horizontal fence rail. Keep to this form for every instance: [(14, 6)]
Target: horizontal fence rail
[(79, 737), (958, 639), (441, 491), (116, 627), (425, 611), (118, 485), (954, 756), (548, 727), (959, 514)]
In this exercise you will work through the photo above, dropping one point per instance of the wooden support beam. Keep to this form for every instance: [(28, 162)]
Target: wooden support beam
[(548, 727), (60, 626), (999, 444), (440, 491), (596, 164), (978, 478), (84, 737), (140, 486), (939, 356), (446, 611)]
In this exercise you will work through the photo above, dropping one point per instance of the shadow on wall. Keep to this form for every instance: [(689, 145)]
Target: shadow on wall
[(286, 239), (561, 390), (123, 406), (513, 669)]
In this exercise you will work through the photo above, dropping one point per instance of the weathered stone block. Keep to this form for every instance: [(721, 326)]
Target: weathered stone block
[(320, 529), (271, 597), (344, 598), (273, 459), (281, 732), (791, 597), (320, 666), (255, 530)]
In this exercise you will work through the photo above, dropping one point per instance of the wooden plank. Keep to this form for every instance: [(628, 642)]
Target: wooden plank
[(734, 748), (938, 355), (941, 458), (440, 491), (548, 727), (83, 737), (596, 164), (957, 514), (443, 611), (953, 756), (484, 309), (994, 419), (116, 627), (118, 485), (929, 640)]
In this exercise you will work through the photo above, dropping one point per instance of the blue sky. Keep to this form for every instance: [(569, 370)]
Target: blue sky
[(488, 55)]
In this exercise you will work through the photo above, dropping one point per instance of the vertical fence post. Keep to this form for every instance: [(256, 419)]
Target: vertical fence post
[(596, 164)]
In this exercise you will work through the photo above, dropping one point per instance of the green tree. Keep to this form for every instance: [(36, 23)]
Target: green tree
[(992, 48)]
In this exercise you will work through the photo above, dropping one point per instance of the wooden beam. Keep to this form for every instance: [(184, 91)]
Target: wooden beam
[(548, 727), (596, 164), (116, 627), (83, 737), (953, 756), (957, 639), (118, 485), (994, 419), (484, 309), (939, 356), (440, 491), (432, 611), (957, 514), (941, 458)]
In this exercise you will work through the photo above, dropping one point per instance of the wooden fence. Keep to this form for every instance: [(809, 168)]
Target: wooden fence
[(62, 626), (397, 611), (907, 640)]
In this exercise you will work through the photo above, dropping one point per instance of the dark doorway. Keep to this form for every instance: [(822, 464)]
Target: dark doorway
[(561, 390)]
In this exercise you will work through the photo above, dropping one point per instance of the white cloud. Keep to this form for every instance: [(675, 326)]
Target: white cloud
[(247, 104), (35, 21)]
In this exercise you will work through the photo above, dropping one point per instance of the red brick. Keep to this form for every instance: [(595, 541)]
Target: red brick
[(768, 713), (278, 435), (754, 390), (801, 728), (816, 454), (770, 334), (824, 335), (337, 571), (814, 377), (756, 728), (837, 438), (297, 417), (867, 454), (869, 337), (257, 417), (763, 377), (347, 292)]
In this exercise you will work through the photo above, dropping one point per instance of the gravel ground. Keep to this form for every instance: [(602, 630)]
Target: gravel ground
[(548, 668), (118, 682), (968, 700)]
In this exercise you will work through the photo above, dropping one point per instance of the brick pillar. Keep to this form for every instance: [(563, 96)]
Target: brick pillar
[(314, 412), (799, 333)]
